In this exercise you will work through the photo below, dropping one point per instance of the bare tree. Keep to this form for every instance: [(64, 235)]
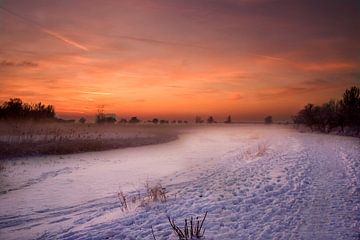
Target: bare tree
[(198, 119), (268, 120), (155, 121), (16, 109), (134, 120), (211, 120), (82, 120), (345, 112), (228, 119)]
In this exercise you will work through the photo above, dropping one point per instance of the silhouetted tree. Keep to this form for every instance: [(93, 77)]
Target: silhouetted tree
[(307, 116), (210, 120), (228, 119), (15, 109), (155, 121), (345, 112), (134, 120), (198, 119), (350, 106), (268, 120), (162, 121), (100, 118), (110, 119), (123, 121), (327, 116), (82, 120), (105, 118)]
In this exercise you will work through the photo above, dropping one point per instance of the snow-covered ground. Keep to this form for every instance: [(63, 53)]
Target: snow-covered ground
[(255, 182)]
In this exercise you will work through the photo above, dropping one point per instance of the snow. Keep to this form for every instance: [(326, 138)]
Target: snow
[(255, 182)]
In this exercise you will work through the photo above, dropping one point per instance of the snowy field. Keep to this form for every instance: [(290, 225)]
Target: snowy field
[(255, 182)]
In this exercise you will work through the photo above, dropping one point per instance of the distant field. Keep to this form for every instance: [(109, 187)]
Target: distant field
[(34, 139)]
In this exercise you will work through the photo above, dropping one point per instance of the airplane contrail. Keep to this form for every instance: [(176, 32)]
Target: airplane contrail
[(82, 47), (270, 57), (155, 41), (47, 31), (66, 40)]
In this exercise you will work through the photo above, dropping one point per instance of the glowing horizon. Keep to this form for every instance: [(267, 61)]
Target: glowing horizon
[(178, 58)]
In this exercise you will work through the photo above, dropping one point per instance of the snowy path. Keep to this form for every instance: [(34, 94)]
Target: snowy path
[(331, 210), (263, 183)]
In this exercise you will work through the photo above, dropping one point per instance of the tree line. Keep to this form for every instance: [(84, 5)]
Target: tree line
[(325, 117), (211, 120), (333, 114), (102, 117), (16, 109)]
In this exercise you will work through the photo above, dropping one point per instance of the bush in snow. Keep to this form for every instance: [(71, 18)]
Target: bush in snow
[(193, 229)]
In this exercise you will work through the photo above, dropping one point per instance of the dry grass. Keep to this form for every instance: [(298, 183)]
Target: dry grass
[(34, 139), (193, 229), (122, 198), (262, 149), (2, 167), (153, 193), (156, 192)]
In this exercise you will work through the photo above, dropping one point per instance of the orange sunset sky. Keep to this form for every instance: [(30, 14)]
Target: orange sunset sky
[(179, 58)]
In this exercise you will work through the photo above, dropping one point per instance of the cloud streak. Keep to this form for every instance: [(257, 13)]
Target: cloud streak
[(96, 93), (6, 63)]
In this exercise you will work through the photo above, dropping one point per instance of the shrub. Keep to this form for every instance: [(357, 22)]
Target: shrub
[(268, 120), (123, 121), (211, 120), (153, 193), (198, 119), (228, 119), (134, 120), (105, 118), (162, 121), (193, 229), (82, 120), (156, 192), (122, 198), (155, 121)]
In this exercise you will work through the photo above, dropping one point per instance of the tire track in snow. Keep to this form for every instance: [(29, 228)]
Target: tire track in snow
[(39, 179)]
